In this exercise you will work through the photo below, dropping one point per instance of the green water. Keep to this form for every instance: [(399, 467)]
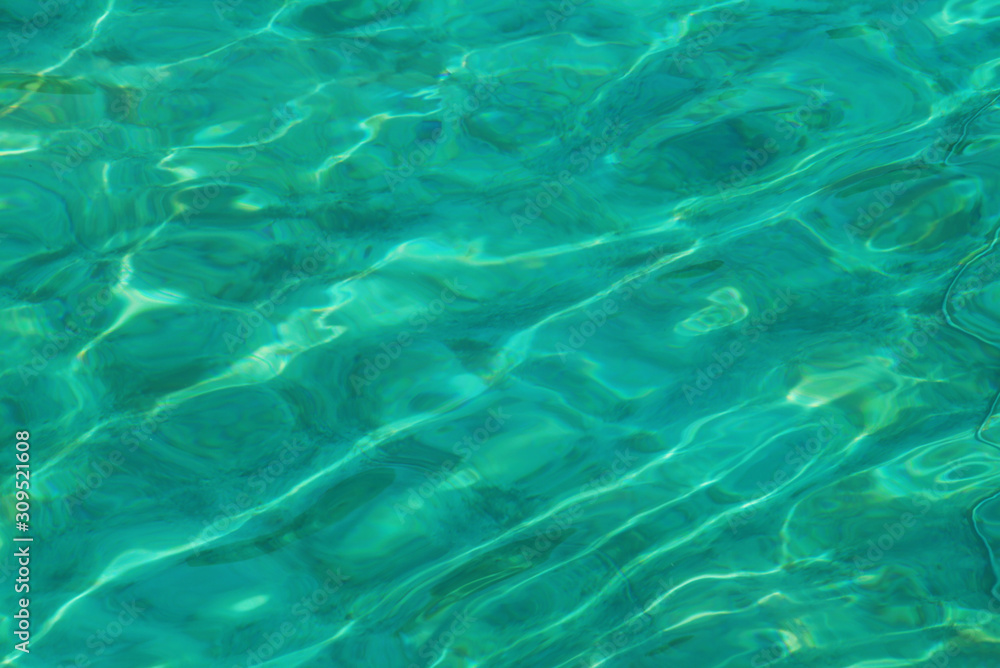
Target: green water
[(462, 335)]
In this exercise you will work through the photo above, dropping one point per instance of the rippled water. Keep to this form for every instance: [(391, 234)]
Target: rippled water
[(575, 333)]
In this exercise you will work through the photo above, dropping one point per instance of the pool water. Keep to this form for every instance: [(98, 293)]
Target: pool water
[(576, 333)]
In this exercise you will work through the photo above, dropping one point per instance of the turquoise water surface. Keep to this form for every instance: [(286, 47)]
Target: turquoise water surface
[(574, 333)]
